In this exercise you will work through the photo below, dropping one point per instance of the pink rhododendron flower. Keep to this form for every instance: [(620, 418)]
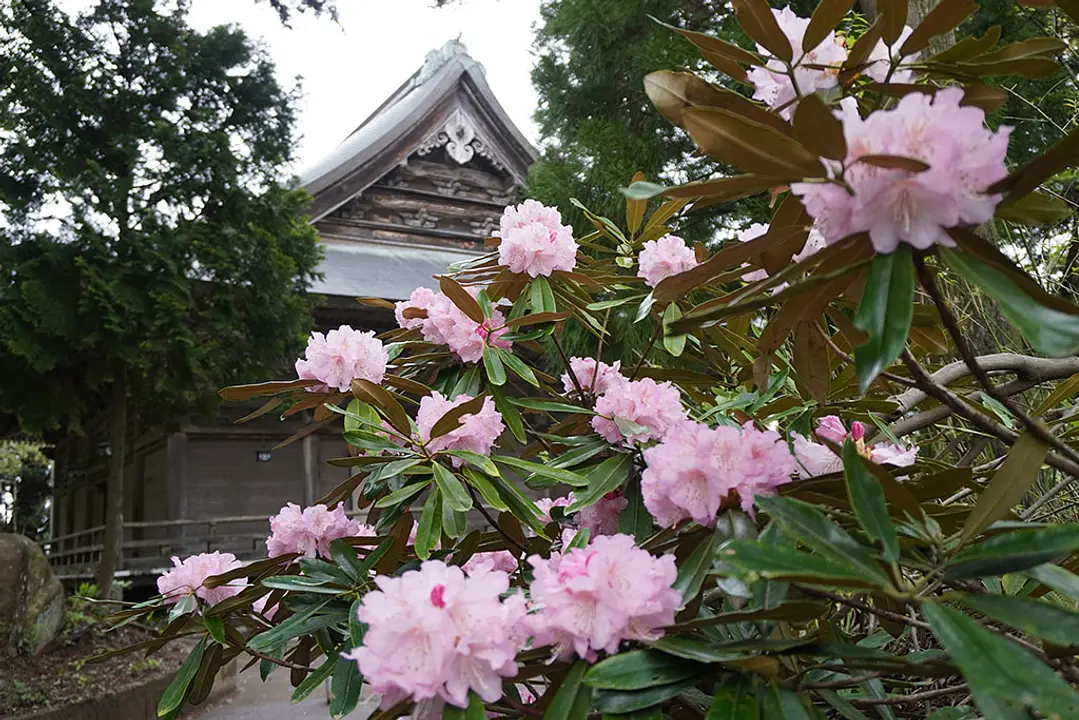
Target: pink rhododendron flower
[(698, 470), (654, 406), (446, 324), (534, 240), (663, 258), (895, 205), (602, 518), (476, 433), (311, 530), (259, 606), (501, 560), (584, 370), (188, 575), (813, 245), (591, 599), (773, 86), (434, 633), (881, 57), (342, 355), (816, 459), (753, 232), (545, 505)]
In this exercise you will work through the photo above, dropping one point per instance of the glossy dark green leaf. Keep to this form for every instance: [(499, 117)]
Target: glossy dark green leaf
[(1008, 486), (695, 568), (884, 313), (356, 629), (573, 699), (510, 415), (430, 525), (1014, 550), (635, 520), (673, 343), (542, 296), (626, 701), (486, 489), (1043, 620), (1048, 330), (454, 522), (735, 699), (492, 364), (295, 625), (640, 669), (346, 558), (215, 626), (453, 492), (521, 506), (1004, 678), (781, 563), (548, 406), (606, 477), (174, 694), (1056, 578), (404, 495), (345, 687), (867, 499), (314, 680), (701, 652), (567, 477), (841, 705), (805, 522), (517, 365), (299, 583), (183, 606), (780, 702)]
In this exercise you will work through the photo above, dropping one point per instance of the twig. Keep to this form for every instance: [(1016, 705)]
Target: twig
[(904, 699), (859, 605), (565, 362), (647, 350), (850, 360), (494, 524), (846, 682)]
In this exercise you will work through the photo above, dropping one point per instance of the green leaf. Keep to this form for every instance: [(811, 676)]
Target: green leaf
[(345, 687), (486, 490), (492, 364), (635, 520), (805, 522), (175, 693), (480, 461), (300, 583), (696, 567), (563, 476), (735, 699), (841, 706), (573, 699), (1048, 330), (522, 507), (1049, 622), (430, 526), (782, 563), (1036, 209), (643, 190), (674, 344), (606, 477), (1008, 486), (510, 415), (690, 649), (313, 680), (295, 625), (640, 669), (453, 492), (884, 313), (216, 627), (1014, 550), (356, 629), (517, 365), (580, 539), (867, 498), (645, 307), (183, 606), (474, 711), (627, 701), (1057, 578), (779, 702), (535, 404), (1003, 677), (403, 495), (541, 295)]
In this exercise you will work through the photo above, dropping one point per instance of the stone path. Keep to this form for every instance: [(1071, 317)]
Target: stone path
[(255, 700)]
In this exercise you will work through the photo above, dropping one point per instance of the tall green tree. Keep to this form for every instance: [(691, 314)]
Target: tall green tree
[(150, 252)]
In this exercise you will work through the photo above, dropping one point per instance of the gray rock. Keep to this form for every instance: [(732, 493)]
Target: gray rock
[(31, 597)]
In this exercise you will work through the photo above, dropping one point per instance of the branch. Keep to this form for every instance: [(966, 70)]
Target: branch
[(934, 415), (912, 698)]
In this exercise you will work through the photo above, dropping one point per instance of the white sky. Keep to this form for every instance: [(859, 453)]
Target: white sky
[(347, 70)]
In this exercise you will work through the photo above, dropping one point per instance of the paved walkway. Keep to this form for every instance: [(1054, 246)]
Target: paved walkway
[(255, 700)]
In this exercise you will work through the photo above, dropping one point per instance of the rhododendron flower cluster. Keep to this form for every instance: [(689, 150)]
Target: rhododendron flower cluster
[(437, 633), (882, 58), (311, 530), (773, 86), (546, 504), (341, 356), (697, 470), (817, 459), (534, 240), (598, 377), (602, 517), (660, 259), (477, 432), (188, 575), (656, 407), (915, 206), (443, 323), (501, 560), (592, 598)]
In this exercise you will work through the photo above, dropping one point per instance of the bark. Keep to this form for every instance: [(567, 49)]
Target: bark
[(916, 11), (114, 501)]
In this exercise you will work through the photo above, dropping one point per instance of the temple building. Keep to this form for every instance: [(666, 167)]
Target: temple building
[(417, 186)]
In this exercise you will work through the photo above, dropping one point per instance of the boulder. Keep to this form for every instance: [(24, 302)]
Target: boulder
[(31, 597)]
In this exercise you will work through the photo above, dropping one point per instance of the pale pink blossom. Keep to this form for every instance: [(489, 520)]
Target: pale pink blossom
[(588, 376), (882, 57), (660, 259), (773, 86), (534, 240), (477, 432), (814, 244), (895, 205), (446, 324), (259, 606), (311, 530), (656, 407), (602, 517), (188, 575), (590, 599), (817, 459), (698, 470), (545, 505), (434, 633), (501, 560), (753, 232), (341, 356)]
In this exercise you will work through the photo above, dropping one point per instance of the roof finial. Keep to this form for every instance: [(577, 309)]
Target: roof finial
[(437, 58)]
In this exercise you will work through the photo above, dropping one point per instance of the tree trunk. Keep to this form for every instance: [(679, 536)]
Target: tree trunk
[(916, 12), (114, 501)]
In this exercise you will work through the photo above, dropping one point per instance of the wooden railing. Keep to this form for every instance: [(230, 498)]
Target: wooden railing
[(148, 547)]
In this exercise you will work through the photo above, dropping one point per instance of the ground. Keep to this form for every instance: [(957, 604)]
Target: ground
[(61, 676)]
